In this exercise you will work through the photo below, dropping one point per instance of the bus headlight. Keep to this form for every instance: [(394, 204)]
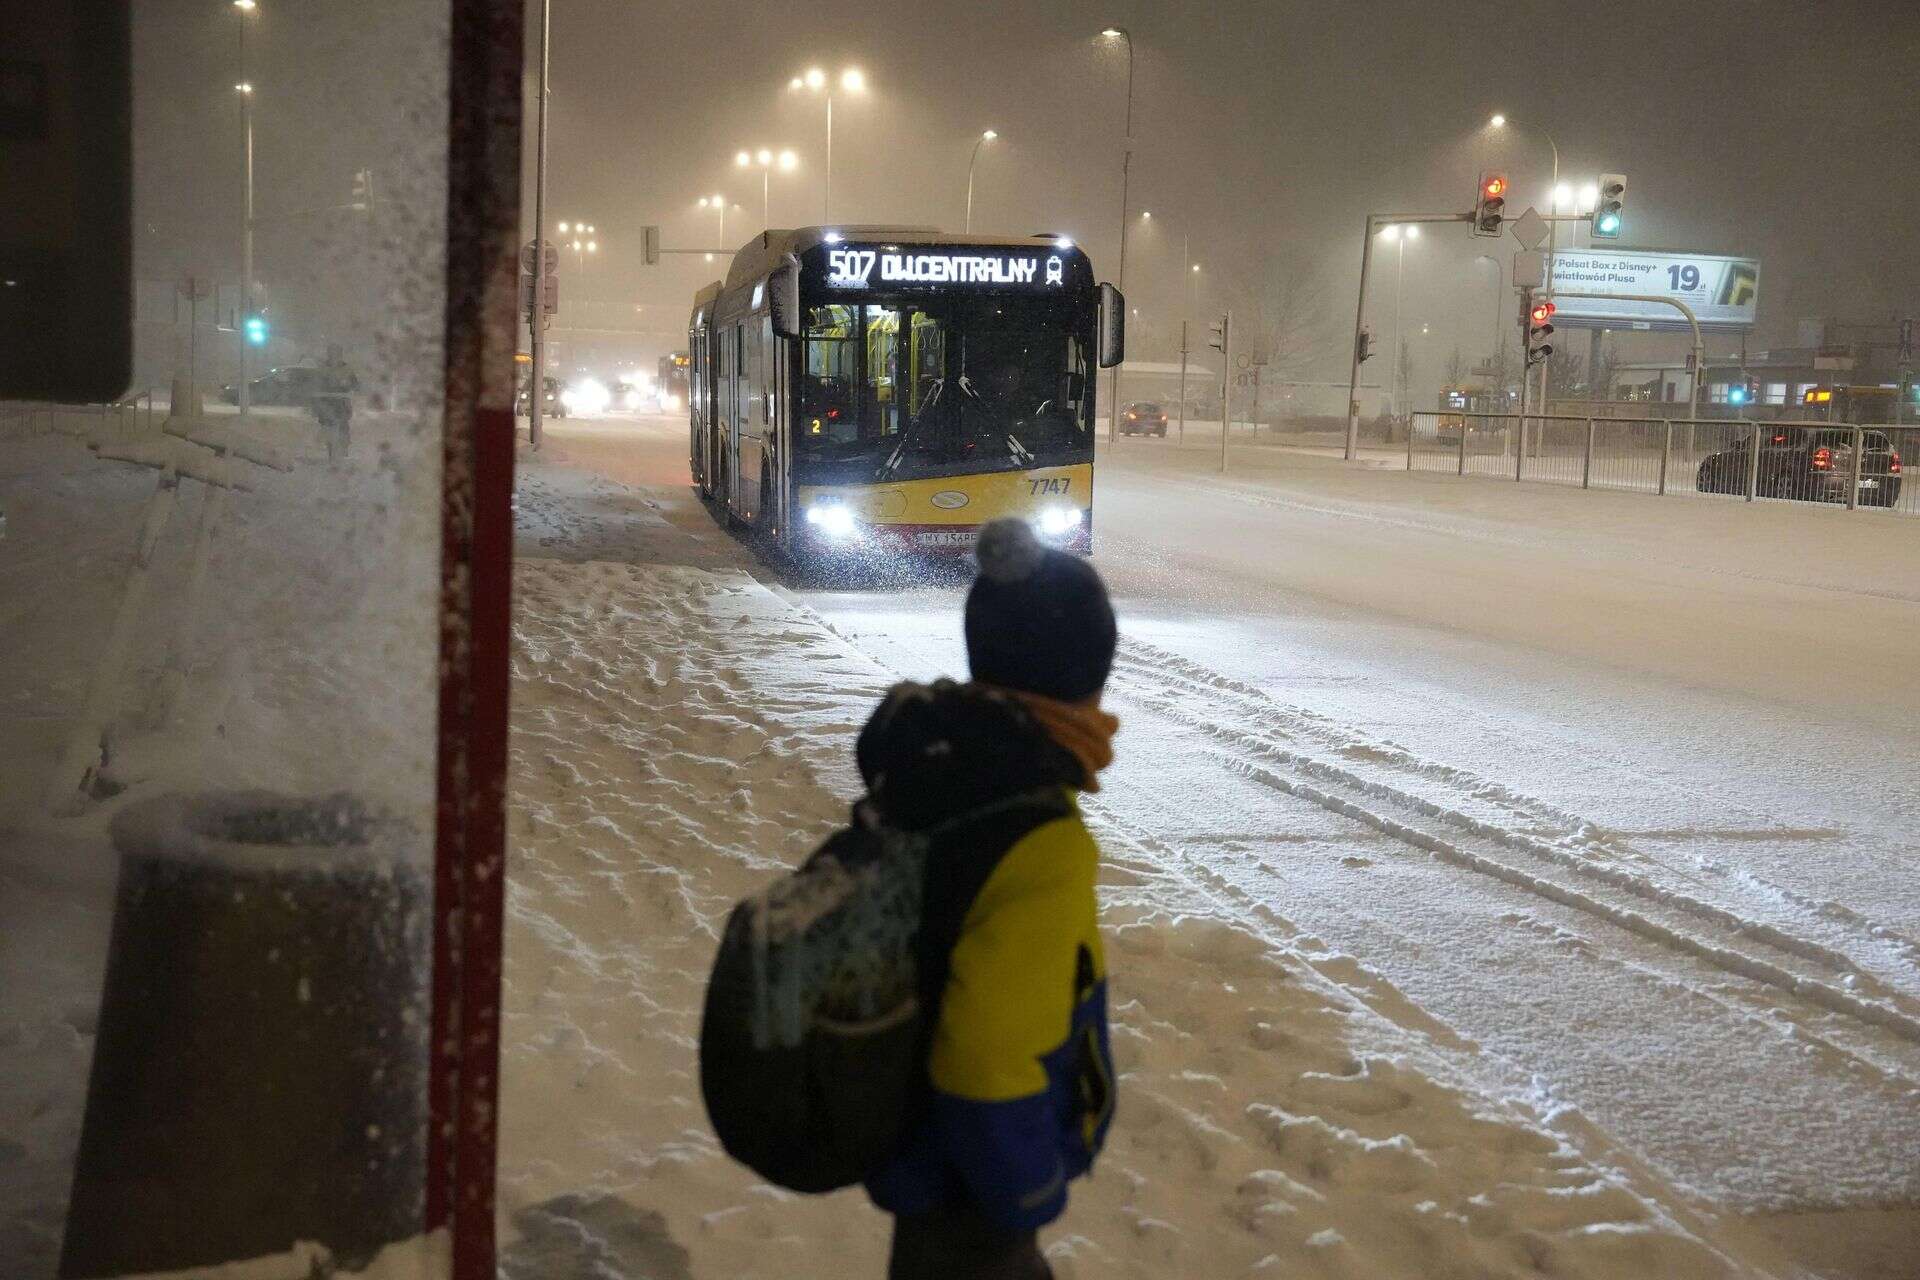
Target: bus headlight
[(1056, 521), (831, 518)]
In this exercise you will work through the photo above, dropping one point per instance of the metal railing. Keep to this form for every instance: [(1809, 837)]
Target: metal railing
[(126, 419), (1855, 466)]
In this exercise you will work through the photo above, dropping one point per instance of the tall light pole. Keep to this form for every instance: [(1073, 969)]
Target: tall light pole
[(537, 312), (986, 135), (1399, 236), (1499, 322), (1126, 170), (852, 80), (766, 160), (245, 89), (719, 205), (1501, 122)]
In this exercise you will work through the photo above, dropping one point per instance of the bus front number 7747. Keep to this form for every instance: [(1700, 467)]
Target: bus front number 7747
[(880, 392)]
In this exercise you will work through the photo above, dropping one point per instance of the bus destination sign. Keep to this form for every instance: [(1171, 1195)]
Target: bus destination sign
[(864, 268)]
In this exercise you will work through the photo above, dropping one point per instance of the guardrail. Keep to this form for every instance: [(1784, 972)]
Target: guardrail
[(1845, 464)]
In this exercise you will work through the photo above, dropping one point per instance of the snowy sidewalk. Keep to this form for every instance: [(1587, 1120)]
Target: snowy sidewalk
[(681, 734)]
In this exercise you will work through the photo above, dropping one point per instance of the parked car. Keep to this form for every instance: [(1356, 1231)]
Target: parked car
[(1143, 418), (1807, 466), (292, 387)]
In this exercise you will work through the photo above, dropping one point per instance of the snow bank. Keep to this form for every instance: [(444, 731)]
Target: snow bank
[(680, 735)]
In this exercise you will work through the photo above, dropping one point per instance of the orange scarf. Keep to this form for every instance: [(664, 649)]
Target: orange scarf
[(1082, 728)]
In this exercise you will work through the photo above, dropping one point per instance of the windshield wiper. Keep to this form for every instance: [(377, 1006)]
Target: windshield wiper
[(892, 463)]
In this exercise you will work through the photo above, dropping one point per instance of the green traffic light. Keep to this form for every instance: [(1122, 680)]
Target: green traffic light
[(1609, 224)]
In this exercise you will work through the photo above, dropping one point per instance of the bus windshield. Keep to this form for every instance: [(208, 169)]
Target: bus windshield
[(942, 386)]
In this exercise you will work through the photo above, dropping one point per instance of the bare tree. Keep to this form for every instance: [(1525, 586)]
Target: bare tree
[(1403, 379), (1282, 318), (1456, 368)]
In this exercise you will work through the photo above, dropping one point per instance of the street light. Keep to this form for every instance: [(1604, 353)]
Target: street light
[(1126, 172), (244, 88), (852, 80), (719, 205), (1398, 235), (986, 135), (767, 160)]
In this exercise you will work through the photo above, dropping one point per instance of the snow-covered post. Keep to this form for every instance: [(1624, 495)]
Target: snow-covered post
[(1753, 462), (259, 1072), (1586, 462), (1666, 454)]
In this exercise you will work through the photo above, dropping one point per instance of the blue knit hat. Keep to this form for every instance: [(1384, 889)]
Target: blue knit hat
[(1038, 618)]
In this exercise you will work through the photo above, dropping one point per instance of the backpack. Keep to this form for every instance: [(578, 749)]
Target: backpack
[(825, 991)]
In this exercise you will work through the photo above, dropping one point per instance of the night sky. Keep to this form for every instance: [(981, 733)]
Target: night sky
[(1265, 132)]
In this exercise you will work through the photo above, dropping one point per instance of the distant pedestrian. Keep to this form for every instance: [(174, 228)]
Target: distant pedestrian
[(333, 402), (1019, 1071)]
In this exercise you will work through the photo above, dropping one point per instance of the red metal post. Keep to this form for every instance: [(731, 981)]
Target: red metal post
[(483, 208)]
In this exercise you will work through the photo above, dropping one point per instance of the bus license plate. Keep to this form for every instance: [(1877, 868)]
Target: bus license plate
[(946, 537)]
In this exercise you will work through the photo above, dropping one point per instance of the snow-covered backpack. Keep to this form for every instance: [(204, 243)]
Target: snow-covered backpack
[(824, 993)]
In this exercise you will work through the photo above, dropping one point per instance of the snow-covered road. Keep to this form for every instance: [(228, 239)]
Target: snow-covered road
[(1611, 793)]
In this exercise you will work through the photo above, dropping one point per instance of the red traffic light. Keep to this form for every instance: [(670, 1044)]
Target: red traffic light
[(1541, 312), (1495, 186)]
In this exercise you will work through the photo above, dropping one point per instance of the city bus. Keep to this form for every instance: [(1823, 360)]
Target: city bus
[(1854, 404), (1464, 404), (881, 392)]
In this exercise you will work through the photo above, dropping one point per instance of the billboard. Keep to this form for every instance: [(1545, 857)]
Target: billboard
[(1723, 292)]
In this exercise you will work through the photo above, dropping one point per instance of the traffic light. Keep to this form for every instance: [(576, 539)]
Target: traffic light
[(1219, 339), (650, 246), (1489, 204), (255, 330), (1363, 348), (1737, 393), (363, 188), (1539, 329), (1607, 216)]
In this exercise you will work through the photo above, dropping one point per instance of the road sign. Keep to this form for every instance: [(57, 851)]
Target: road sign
[(1529, 269), (1530, 229), (1723, 292), (552, 256), (551, 298)]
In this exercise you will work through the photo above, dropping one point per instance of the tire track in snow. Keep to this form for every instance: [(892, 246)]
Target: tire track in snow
[(1450, 814)]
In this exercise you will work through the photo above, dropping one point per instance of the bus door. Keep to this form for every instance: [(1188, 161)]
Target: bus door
[(775, 421), (750, 430)]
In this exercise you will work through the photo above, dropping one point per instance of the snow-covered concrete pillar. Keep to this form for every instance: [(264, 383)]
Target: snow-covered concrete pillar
[(260, 1071)]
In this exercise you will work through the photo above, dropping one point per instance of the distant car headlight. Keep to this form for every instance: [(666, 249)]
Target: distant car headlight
[(670, 404), (832, 518), (586, 396), (1056, 521), (631, 398)]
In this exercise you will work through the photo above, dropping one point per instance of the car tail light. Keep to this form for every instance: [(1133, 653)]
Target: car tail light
[(1893, 463), (1823, 459)]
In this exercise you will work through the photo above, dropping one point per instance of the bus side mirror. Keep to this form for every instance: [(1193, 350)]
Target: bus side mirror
[(1113, 327), (783, 301)]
